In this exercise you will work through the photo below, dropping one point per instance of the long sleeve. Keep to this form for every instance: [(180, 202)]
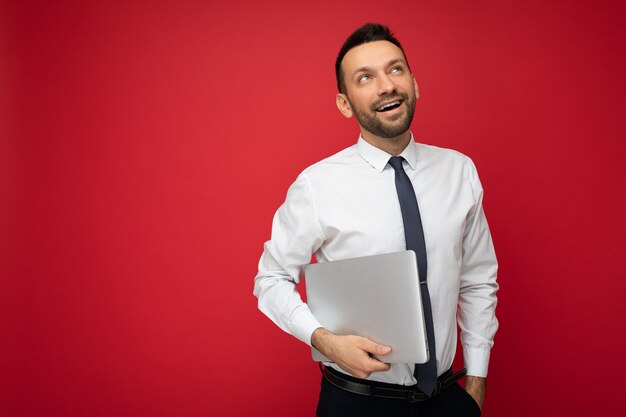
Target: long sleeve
[(478, 286), (296, 235)]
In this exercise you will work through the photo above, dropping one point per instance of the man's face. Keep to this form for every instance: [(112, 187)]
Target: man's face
[(380, 90)]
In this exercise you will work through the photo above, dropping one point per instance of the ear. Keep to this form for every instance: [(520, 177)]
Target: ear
[(417, 90), (344, 105)]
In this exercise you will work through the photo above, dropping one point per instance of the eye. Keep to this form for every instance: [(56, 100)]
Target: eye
[(364, 78), (395, 70)]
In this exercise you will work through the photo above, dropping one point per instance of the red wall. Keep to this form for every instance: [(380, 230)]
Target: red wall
[(146, 145)]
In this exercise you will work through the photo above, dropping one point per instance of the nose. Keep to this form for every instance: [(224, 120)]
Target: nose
[(385, 85)]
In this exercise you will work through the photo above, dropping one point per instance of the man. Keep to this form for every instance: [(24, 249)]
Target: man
[(353, 204)]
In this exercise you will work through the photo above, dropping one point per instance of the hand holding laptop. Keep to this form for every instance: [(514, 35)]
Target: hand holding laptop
[(351, 353)]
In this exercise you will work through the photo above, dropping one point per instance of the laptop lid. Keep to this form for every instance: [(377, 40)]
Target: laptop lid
[(377, 297)]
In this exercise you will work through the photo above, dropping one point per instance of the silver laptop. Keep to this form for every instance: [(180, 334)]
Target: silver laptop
[(377, 297)]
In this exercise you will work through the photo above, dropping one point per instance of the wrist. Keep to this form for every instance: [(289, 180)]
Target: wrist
[(475, 380), (320, 338), (476, 386)]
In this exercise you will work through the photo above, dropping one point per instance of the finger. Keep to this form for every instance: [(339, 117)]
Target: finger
[(375, 365)]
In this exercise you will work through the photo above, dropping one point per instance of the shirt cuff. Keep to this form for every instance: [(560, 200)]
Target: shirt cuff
[(476, 361), (303, 324)]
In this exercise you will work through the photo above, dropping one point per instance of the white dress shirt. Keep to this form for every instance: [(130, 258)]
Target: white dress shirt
[(346, 206)]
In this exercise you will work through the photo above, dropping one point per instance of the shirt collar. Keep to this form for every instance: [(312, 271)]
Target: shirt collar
[(378, 158)]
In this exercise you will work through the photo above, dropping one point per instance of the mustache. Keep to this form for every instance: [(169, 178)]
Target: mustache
[(397, 96)]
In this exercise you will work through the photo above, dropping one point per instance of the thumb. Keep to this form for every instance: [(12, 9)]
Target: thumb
[(375, 348)]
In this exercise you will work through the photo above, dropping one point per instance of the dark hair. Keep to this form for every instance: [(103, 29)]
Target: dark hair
[(369, 32)]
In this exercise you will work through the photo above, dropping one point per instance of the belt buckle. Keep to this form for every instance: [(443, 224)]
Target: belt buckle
[(412, 396)]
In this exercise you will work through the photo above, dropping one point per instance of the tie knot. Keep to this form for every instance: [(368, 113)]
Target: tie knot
[(396, 162)]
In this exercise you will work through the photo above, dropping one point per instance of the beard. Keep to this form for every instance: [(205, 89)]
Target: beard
[(370, 121)]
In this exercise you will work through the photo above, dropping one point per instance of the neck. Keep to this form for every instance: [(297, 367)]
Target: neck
[(393, 146)]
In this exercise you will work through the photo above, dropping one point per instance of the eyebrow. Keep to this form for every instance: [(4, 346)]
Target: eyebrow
[(390, 63)]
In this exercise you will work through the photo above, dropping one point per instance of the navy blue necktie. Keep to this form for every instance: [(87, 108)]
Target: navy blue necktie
[(426, 373)]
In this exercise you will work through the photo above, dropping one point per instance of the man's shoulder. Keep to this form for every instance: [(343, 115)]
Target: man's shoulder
[(454, 163), (336, 162)]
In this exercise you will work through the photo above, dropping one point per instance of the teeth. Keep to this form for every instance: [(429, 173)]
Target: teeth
[(386, 106)]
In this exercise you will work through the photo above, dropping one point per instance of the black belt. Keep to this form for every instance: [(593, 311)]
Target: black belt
[(378, 389)]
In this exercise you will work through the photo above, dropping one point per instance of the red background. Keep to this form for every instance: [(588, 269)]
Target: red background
[(146, 145)]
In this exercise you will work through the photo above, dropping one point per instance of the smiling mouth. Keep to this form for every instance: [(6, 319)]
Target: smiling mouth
[(389, 106)]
